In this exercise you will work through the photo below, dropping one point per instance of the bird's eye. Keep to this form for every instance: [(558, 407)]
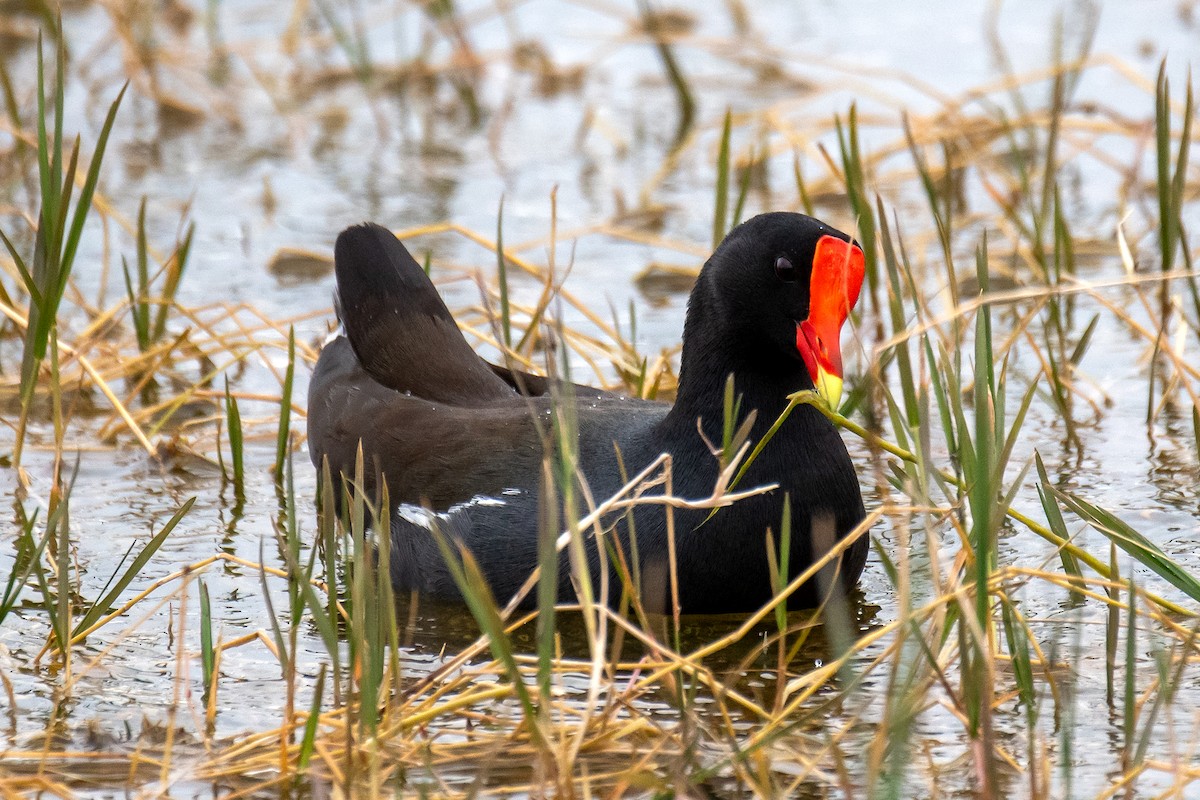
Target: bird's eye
[(784, 269)]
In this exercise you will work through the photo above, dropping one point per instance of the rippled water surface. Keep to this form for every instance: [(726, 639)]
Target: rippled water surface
[(252, 124)]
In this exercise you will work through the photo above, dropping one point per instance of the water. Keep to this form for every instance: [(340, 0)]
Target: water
[(283, 149)]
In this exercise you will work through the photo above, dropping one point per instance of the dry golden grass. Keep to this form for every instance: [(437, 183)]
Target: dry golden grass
[(929, 700)]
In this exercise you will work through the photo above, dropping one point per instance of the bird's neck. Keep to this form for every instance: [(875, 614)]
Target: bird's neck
[(716, 348)]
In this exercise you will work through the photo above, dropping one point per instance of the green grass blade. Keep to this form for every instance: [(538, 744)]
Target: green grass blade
[(174, 275), (283, 437), (84, 204), (27, 553), (1135, 544), (785, 555), (308, 741), (743, 192), (137, 307), (1058, 525), (899, 323), (549, 525), (1018, 648), (1162, 141), (49, 184), (478, 596), (233, 424), (721, 202), (208, 658), (856, 189), (99, 607), (1129, 712), (31, 286)]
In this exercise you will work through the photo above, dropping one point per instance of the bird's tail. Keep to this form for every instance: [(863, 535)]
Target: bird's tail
[(401, 331)]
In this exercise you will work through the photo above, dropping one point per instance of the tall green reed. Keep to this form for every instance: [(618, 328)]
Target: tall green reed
[(723, 219), (149, 312), (855, 176), (60, 226)]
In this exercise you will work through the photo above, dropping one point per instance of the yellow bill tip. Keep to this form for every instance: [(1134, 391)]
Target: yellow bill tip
[(829, 386)]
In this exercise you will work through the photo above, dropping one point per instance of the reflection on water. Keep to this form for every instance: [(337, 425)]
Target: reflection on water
[(262, 132), (429, 626)]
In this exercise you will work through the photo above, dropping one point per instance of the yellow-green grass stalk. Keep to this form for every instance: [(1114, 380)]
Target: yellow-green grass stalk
[(283, 435)]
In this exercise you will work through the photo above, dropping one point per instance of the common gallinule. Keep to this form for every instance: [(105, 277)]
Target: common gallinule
[(455, 438)]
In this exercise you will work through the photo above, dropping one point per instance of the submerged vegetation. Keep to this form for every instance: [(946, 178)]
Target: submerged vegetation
[(182, 610)]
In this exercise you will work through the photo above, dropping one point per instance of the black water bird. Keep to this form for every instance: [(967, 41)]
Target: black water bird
[(457, 439)]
